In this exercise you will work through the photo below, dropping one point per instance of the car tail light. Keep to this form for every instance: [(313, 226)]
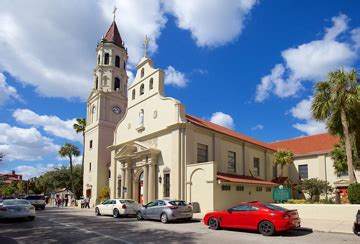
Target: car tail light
[(124, 206), (286, 216), (190, 207), (2, 209), (172, 207)]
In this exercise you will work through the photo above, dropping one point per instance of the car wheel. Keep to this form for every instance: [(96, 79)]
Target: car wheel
[(31, 218), (139, 216), (97, 212), (116, 213), (213, 223), (266, 228), (163, 218)]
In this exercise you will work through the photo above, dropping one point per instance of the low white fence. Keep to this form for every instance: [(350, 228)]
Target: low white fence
[(340, 212)]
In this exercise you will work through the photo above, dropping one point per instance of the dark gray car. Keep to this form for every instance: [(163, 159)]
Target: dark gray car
[(165, 211)]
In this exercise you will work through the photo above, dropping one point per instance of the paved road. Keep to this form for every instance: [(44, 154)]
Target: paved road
[(81, 226)]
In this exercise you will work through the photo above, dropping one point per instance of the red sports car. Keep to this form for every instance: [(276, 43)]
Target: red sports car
[(264, 217)]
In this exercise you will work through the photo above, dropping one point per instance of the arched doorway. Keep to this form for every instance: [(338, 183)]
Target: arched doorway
[(141, 188)]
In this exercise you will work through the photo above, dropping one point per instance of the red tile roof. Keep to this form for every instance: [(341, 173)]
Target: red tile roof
[(308, 145), (113, 35), (279, 180), (243, 179), (220, 129)]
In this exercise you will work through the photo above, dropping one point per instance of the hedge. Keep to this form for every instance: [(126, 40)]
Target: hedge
[(354, 193)]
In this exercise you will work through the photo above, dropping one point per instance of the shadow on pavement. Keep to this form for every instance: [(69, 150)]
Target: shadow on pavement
[(65, 227), (289, 233)]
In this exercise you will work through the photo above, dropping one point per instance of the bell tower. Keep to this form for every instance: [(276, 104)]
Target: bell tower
[(106, 105)]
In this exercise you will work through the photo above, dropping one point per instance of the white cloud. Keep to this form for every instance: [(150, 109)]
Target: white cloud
[(175, 78), (309, 62), (275, 82), (211, 22), (302, 111), (51, 124), (28, 171), (6, 91), (24, 144), (223, 119), (258, 127), (355, 36), (57, 54)]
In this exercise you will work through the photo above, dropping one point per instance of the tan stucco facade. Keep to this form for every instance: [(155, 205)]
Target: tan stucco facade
[(149, 150), (320, 165)]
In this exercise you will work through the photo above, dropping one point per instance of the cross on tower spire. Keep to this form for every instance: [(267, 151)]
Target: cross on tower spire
[(146, 42), (114, 12)]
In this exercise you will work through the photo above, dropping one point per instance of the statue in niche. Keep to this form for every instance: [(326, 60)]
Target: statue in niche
[(141, 119)]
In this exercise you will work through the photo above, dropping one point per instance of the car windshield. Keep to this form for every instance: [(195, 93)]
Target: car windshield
[(15, 202), (35, 198), (127, 201), (178, 203), (273, 207)]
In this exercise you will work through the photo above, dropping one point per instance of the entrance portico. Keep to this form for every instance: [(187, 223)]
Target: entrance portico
[(137, 164)]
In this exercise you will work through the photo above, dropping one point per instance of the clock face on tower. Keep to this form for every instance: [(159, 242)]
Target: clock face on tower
[(116, 110)]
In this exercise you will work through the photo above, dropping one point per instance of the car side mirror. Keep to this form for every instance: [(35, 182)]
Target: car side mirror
[(230, 210)]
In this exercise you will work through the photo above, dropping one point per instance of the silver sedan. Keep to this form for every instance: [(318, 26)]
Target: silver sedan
[(17, 208), (165, 211)]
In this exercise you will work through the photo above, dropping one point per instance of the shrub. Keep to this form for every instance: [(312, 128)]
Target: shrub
[(104, 193), (314, 188), (354, 193)]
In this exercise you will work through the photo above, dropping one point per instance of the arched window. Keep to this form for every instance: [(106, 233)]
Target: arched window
[(133, 94), (117, 84), (142, 72), (106, 58), (96, 82), (98, 59), (142, 89), (151, 84), (117, 61)]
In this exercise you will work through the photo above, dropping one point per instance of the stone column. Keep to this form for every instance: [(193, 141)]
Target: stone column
[(152, 182), (146, 184), (128, 179), (122, 180)]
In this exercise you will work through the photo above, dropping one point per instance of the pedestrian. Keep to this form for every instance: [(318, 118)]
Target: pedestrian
[(87, 202), (57, 201), (66, 200)]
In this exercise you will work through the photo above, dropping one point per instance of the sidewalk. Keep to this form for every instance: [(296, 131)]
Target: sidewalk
[(334, 226)]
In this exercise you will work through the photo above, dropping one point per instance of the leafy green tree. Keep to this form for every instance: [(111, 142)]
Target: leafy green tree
[(338, 154), (333, 103), (283, 157), (22, 187), (79, 127), (314, 187), (70, 151), (354, 193)]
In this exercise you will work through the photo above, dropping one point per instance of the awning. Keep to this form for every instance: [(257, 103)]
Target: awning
[(244, 179)]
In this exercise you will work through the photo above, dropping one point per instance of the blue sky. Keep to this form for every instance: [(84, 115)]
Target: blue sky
[(245, 64)]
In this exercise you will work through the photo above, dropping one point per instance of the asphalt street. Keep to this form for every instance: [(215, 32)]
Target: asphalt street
[(81, 226)]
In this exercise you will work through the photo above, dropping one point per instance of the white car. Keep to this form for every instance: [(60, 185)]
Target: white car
[(117, 207), (16, 208)]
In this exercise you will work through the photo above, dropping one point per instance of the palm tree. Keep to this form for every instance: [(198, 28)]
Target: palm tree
[(333, 103), (283, 158), (79, 127), (69, 151)]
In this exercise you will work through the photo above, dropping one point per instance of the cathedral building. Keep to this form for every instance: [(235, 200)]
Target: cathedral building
[(144, 145)]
